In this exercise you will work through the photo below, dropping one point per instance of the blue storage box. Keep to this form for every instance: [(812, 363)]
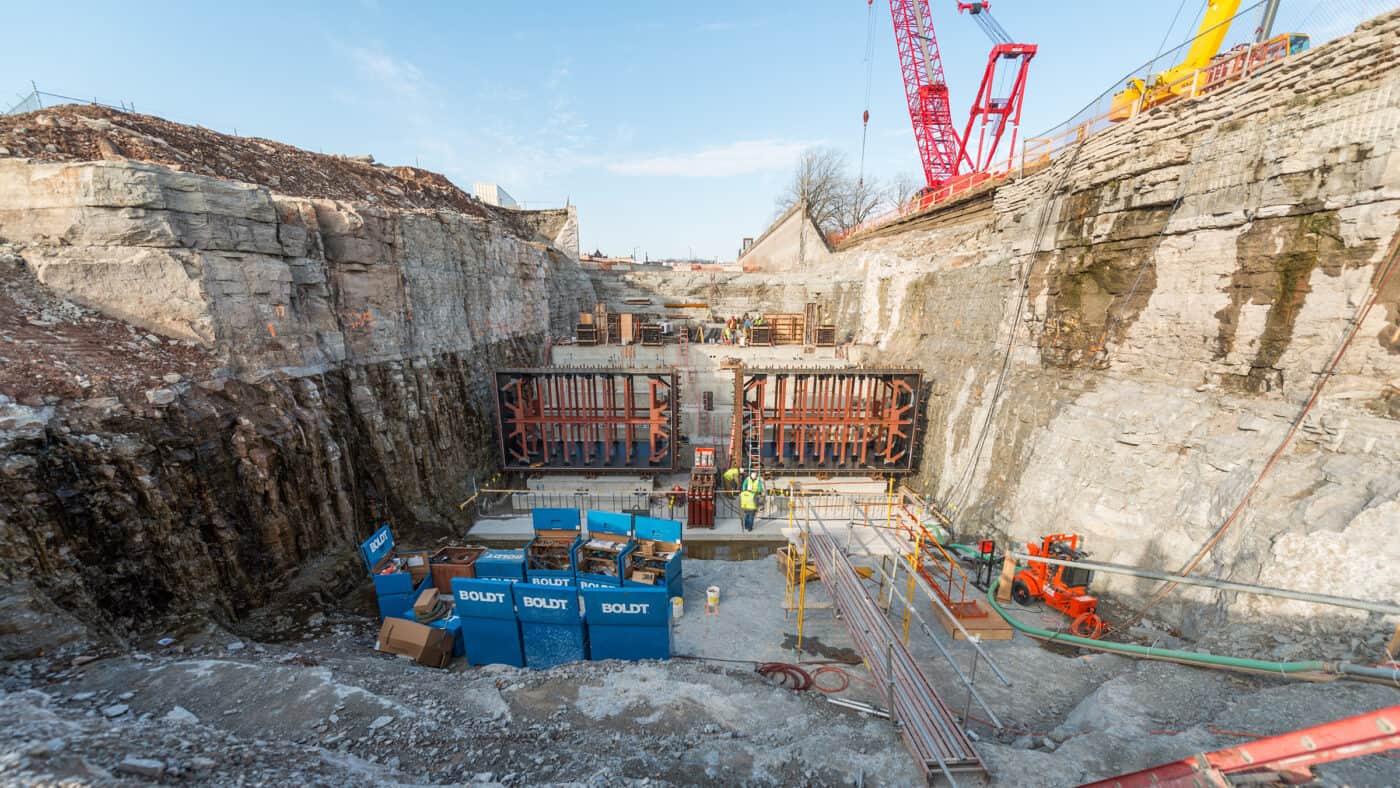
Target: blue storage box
[(656, 550), (632, 622), (490, 630), (551, 624), (396, 605), (557, 532), (600, 559), (398, 574), (502, 565)]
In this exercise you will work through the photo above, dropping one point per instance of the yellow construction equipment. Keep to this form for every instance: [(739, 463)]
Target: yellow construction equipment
[(1178, 80)]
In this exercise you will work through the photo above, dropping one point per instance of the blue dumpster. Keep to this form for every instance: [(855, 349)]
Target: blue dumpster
[(398, 574), (551, 623), (655, 559), (490, 630), (502, 565), (600, 559), (549, 555), (632, 622)]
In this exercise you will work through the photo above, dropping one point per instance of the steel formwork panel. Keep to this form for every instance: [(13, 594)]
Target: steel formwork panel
[(832, 420), (587, 420)]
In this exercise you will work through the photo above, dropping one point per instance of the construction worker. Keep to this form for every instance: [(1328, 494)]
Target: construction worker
[(754, 482), (731, 478), (748, 504), (677, 497)]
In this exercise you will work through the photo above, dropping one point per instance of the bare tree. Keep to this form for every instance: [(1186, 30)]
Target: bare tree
[(903, 188), (860, 200), (821, 180)]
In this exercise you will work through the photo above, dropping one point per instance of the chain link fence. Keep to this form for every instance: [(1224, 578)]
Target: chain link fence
[(1297, 26), (38, 99)]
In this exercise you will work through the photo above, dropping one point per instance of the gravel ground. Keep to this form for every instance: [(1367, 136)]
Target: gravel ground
[(323, 708)]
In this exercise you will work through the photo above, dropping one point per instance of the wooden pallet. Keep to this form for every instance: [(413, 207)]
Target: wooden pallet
[(988, 627)]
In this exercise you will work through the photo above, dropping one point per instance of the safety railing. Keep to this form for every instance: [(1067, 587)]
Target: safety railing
[(1037, 152), (1240, 63), (950, 189)]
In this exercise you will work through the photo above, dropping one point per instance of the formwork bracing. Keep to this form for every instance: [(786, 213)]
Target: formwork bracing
[(831, 420), (587, 420)]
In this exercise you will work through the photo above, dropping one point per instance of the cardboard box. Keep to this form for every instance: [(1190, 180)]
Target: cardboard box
[(425, 645), (426, 603), (641, 576)]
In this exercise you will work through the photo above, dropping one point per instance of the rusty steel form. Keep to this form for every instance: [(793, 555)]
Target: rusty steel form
[(590, 420), (831, 420)]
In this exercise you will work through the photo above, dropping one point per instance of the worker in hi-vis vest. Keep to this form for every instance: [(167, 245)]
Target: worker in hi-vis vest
[(748, 503), (754, 482), (731, 479)]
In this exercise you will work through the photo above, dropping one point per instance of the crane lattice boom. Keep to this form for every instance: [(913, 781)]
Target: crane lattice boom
[(926, 90), (943, 151)]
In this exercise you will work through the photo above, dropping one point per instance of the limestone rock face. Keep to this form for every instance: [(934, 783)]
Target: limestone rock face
[(351, 386), (1171, 292), (279, 282)]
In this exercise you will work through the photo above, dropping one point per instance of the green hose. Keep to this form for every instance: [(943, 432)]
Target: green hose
[(1193, 657)]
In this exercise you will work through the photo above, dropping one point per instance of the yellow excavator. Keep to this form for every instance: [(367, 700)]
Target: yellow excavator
[(1205, 47)]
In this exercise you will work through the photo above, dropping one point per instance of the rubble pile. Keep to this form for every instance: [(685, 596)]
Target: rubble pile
[(76, 132)]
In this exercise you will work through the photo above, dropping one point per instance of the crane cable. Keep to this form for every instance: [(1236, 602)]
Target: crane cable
[(955, 498), (869, 72), (1378, 284)]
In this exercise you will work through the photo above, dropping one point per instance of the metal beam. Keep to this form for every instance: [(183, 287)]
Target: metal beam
[(929, 728)]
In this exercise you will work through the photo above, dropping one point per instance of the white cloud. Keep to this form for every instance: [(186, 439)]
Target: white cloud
[(743, 157), (399, 76)]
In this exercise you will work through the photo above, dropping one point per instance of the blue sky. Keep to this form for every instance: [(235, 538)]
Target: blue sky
[(671, 125)]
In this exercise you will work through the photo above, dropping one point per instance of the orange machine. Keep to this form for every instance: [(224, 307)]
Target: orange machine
[(1065, 588)]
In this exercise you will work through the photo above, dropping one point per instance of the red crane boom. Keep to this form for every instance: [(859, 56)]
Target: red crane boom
[(940, 148), (946, 154)]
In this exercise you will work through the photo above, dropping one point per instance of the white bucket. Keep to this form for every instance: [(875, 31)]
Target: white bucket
[(677, 607), (712, 596)]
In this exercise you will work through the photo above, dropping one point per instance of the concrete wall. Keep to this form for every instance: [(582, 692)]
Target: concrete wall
[(792, 243)]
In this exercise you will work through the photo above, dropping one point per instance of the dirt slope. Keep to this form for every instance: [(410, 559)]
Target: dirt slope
[(76, 132)]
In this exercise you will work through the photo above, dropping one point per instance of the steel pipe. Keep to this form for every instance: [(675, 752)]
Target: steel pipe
[(1224, 585)]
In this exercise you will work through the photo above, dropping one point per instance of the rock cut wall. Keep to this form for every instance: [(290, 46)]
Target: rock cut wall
[(1186, 276), (347, 382)]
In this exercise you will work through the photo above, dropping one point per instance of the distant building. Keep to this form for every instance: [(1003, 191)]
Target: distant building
[(493, 194)]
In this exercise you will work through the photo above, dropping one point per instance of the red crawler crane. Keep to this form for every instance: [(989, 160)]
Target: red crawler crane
[(946, 154)]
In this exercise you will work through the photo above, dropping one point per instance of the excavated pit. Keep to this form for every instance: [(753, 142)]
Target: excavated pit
[(225, 361)]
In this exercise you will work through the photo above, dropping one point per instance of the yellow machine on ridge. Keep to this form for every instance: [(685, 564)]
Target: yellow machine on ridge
[(1167, 85), (1182, 79)]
